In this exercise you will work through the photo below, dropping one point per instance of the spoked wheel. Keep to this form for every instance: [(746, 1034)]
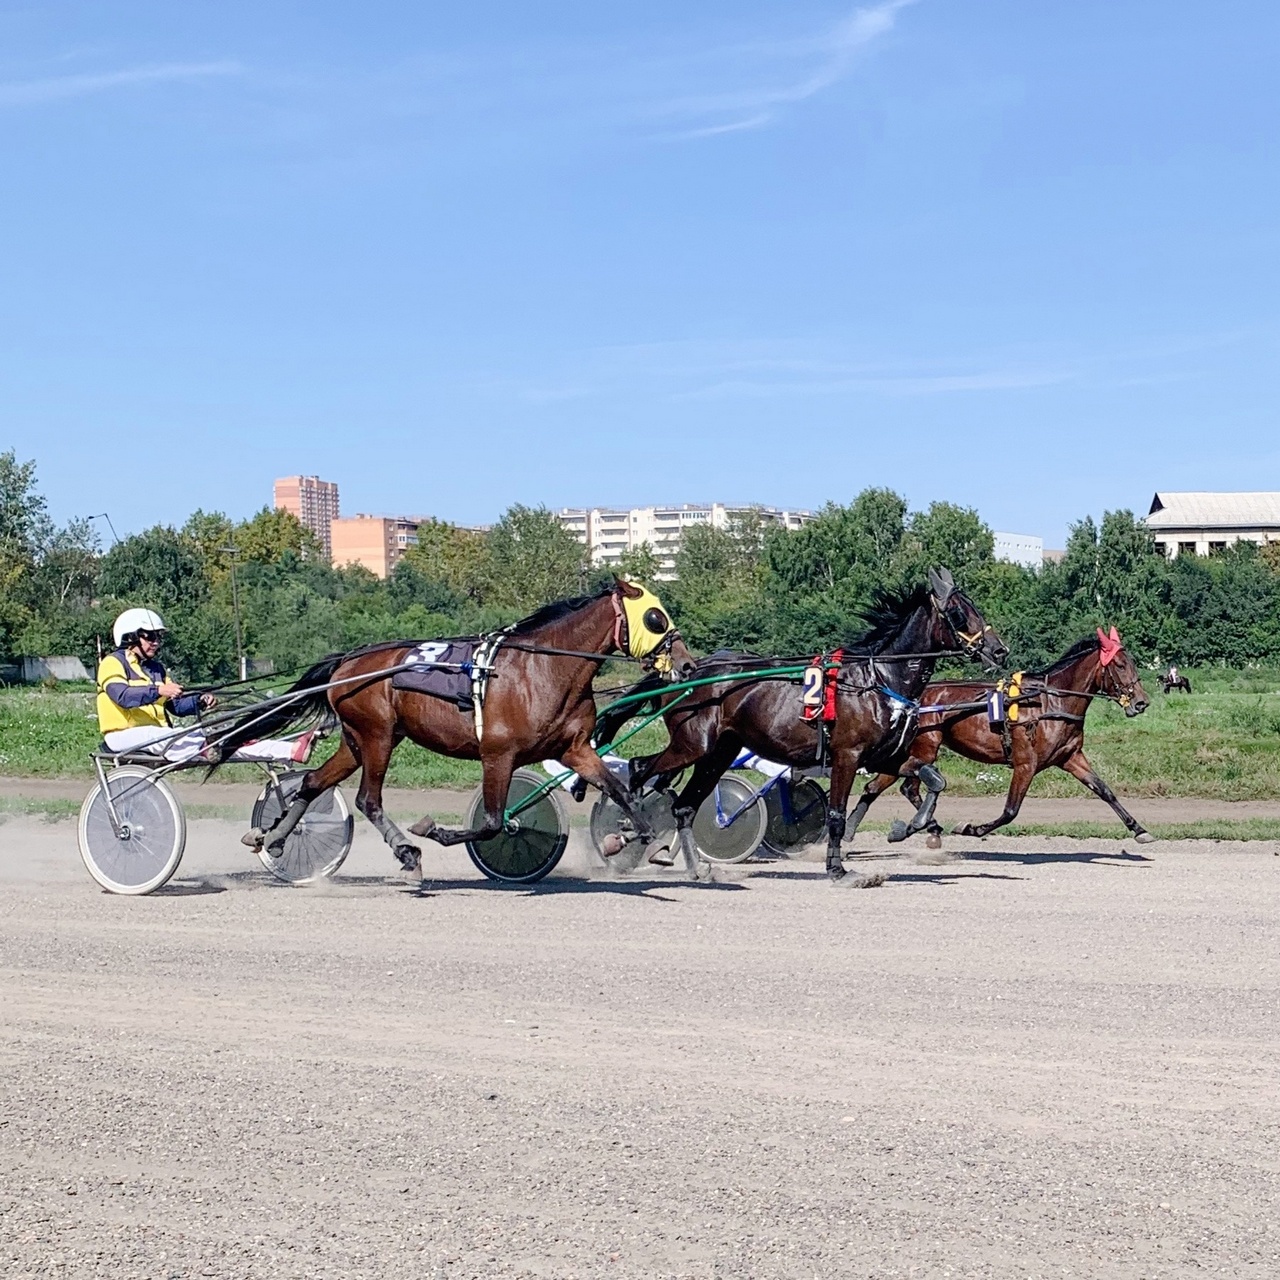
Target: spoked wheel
[(607, 819), (806, 821), (318, 845), (535, 839), (723, 829), (152, 835)]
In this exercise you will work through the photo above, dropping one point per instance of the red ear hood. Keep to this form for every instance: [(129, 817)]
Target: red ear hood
[(1110, 646)]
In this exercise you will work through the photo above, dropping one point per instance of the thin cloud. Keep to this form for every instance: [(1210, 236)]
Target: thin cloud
[(834, 54), (59, 88)]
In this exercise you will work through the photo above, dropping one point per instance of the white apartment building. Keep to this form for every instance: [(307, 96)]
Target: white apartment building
[(609, 531), (1019, 548), (1202, 523)]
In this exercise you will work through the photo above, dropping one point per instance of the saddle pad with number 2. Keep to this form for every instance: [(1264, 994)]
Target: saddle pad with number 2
[(450, 682)]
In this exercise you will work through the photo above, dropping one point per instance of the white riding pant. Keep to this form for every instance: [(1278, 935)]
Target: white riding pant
[(162, 742)]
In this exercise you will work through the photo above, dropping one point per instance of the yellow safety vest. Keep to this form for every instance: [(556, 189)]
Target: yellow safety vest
[(114, 670)]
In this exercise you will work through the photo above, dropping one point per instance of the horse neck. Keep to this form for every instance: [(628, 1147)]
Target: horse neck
[(915, 636), (585, 630), (1083, 675)]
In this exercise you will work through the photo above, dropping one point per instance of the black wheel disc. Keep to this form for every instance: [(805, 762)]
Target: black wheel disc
[(535, 841)]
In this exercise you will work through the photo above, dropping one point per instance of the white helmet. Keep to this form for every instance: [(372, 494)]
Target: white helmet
[(132, 621)]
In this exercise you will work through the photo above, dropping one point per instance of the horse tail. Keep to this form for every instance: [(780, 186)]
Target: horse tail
[(306, 711)]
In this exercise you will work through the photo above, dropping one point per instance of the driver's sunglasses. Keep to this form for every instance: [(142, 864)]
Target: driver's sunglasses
[(151, 637)]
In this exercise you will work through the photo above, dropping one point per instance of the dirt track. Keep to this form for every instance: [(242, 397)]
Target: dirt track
[(1052, 1058)]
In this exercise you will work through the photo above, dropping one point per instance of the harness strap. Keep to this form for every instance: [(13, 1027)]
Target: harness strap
[(482, 662), (619, 624)]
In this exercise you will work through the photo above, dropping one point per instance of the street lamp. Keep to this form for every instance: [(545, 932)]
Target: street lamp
[(242, 662), (102, 515)]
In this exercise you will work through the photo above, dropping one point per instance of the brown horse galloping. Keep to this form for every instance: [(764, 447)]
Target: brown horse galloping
[(539, 706), (874, 709), (1049, 729)]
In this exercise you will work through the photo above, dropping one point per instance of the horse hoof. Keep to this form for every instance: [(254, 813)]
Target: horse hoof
[(898, 831), (253, 839), (702, 871), (662, 857), (423, 826), (934, 841), (612, 845), (410, 860), (1145, 837), (836, 873)]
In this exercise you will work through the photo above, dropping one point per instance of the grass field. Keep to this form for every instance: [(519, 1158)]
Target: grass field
[(1222, 742)]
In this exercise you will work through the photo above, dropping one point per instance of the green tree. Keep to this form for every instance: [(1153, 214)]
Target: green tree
[(24, 516), (640, 564), (952, 537), (156, 568), (820, 577), (533, 558), (458, 558)]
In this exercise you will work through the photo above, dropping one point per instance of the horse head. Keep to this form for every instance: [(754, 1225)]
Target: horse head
[(1117, 674), (644, 631), (958, 622)]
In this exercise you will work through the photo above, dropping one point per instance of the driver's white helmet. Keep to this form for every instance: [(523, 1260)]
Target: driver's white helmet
[(134, 620)]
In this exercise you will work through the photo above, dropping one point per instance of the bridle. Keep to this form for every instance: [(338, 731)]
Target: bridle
[(970, 642), (1121, 694)]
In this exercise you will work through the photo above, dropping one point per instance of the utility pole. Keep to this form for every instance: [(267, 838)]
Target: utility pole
[(241, 660)]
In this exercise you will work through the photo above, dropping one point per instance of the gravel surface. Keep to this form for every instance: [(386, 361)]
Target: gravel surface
[(1046, 1058), (953, 810)]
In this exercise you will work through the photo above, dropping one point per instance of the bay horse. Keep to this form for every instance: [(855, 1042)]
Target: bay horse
[(874, 709), (1048, 731), (539, 705)]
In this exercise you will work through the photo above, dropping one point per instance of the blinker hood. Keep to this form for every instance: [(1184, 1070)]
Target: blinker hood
[(647, 626)]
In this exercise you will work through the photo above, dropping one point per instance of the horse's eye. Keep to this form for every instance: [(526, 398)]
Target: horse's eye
[(656, 621)]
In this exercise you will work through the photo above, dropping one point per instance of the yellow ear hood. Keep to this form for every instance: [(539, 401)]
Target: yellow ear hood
[(648, 625)]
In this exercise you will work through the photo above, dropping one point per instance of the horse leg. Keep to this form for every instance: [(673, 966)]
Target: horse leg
[(935, 784), (342, 764), (1079, 767), (1024, 770), (874, 788), (843, 769), (494, 786), (706, 774), (375, 753), (584, 761)]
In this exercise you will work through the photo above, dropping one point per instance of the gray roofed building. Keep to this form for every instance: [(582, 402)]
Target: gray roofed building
[(1202, 523)]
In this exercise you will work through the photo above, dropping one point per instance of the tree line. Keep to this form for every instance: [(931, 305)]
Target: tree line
[(751, 585)]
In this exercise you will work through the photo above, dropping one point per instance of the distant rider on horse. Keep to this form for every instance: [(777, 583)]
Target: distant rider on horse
[(136, 699)]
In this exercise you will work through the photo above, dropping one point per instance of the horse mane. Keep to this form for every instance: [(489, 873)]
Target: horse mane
[(556, 610), (886, 615), (1077, 650)]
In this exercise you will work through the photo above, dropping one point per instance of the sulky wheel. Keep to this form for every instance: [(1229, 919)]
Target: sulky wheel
[(608, 819), (534, 839), (730, 823), (802, 823), (146, 850), (318, 845)]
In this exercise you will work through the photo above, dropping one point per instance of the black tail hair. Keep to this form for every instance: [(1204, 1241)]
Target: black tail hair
[(300, 713)]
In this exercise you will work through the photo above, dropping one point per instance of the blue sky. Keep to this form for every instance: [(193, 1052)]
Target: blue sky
[(1021, 256)]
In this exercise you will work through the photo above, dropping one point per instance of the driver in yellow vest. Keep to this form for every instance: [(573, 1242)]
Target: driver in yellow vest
[(136, 700)]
